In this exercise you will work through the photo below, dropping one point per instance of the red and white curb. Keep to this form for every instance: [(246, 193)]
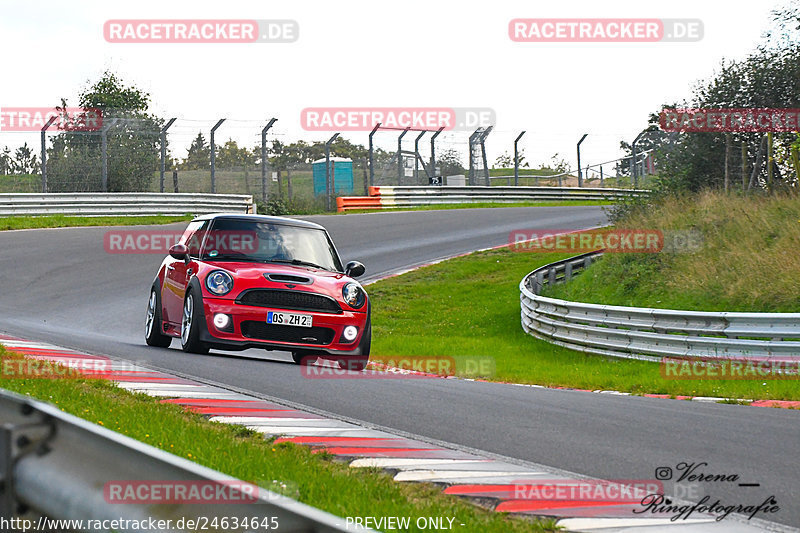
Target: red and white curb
[(489, 482)]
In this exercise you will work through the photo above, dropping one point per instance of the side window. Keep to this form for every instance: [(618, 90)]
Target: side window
[(193, 237)]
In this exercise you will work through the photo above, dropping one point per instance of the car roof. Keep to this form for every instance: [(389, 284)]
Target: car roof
[(261, 218)]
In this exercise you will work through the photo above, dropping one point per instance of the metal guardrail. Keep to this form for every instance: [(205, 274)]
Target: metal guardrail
[(644, 333), (123, 204), (414, 196), (56, 465)]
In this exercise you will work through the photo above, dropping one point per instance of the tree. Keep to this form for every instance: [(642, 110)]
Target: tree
[(5, 161), (199, 155), (229, 155), (133, 141), (449, 161), (25, 161), (507, 160)]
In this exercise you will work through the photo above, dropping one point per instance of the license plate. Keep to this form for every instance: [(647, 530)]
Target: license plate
[(289, 319)]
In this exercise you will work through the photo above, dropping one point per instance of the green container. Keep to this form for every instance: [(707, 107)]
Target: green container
[(342, 174)]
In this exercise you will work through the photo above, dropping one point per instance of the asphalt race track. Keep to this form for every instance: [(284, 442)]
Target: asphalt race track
[(60, 286)]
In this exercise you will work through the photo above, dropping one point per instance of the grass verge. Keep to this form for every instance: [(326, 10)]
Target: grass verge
[(316, 479), (469, 307), (63, 221), (746, 258)]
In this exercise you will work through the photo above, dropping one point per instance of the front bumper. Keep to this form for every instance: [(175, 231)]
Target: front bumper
[(250, 330)]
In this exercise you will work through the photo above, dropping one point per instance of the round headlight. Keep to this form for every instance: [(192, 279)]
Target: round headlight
[(354, 295), (219, 282)]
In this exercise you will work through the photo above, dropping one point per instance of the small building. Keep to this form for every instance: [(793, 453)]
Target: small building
[(341, 175)]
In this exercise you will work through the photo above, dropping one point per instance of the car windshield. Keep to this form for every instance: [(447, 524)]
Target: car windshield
[(268, 242)]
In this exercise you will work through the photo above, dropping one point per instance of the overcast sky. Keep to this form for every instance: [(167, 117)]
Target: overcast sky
[(388, 54)]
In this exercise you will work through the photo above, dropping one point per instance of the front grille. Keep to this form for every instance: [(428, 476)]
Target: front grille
[(271, 332), (287, 299)]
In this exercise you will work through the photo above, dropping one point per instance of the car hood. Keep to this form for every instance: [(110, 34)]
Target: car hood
[(250, 275)]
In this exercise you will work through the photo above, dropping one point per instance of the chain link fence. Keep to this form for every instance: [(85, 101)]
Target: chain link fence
[(134, 153)]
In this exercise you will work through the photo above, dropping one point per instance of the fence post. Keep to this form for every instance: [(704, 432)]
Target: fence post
[(44, 153), (580, 176), (164, 153), (104, 153), (416, 157), (484, 135), (265, 161), (516, 159), (744, 166), (371, 161), (175, 181), (633, 160), (328, 184), (214, 157), (433, 157), (400, 157)]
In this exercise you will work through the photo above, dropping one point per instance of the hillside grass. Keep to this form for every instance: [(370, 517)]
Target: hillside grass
[(748, 258)]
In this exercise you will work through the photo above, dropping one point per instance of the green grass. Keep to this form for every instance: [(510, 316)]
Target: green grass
[(316, 479), (469, 307), (63, 221), (747, 258)]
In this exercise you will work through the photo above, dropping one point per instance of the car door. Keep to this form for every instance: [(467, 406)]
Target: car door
[(178, 273)]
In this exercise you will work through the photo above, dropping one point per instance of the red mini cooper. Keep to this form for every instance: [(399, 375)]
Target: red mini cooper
[(234, 282)]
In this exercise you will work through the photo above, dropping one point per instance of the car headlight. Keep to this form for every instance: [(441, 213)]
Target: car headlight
[(354, 295), (219, 282)]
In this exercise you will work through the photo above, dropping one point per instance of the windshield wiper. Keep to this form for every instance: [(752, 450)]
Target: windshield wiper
[(298, 262)]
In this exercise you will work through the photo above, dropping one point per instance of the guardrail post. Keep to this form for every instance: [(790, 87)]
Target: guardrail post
[(44, 152), (516, 159), (371, 149), (328, 184), (265, 161), (433, 158), (164, 152), (580, 176), (214, 156)]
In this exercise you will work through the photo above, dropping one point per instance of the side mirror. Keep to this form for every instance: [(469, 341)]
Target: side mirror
[(354, 269), (179, 251)]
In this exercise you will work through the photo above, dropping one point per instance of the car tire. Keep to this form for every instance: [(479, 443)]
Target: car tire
[(191, 321), (359, 362), (300, 358), (152, 327)]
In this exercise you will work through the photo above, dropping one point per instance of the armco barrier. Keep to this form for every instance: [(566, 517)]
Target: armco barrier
[(399, 197), (123, 204), (57, 465), (643, 333)]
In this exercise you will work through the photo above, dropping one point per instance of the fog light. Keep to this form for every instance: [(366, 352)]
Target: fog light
[(221, 320), (350, 333)]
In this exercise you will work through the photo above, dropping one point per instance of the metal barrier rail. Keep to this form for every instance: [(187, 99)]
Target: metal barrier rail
[(57, 465), (644, 333), (123, 204), (414, 196)]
